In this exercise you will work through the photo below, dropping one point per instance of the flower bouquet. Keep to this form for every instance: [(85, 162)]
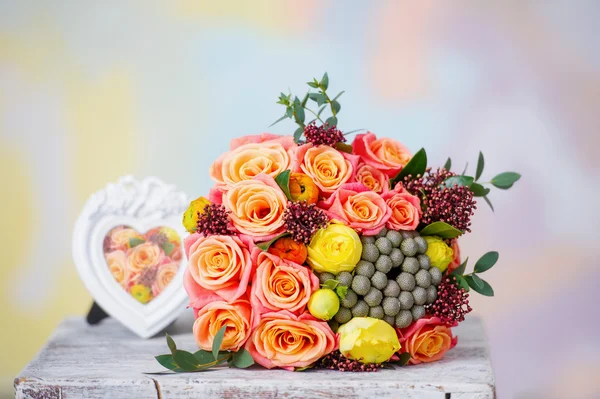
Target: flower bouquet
[(314, 252)]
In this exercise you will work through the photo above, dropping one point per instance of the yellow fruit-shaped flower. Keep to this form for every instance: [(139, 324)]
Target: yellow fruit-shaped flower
[(142, 293), (190, 217), (334, 249), (368, 340), (440, 254), (323, 304)]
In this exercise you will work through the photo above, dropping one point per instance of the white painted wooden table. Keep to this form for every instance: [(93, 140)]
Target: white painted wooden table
[(107, 361)]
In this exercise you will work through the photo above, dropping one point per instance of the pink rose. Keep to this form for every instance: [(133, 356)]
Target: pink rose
[(286, 141), (427, 340), (282, 339), (372, 178), (456, 261), (358, 207), (406, 209), (386, 155)]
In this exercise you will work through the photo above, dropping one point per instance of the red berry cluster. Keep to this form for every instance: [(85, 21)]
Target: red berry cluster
[(302, 220), (158, 238), (336, 361), (453, 205), (452, 303), (147, 276), (328, 135), (213, 221)]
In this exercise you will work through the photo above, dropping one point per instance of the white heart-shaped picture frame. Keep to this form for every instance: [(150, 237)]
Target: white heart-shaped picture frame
[(141, 205)]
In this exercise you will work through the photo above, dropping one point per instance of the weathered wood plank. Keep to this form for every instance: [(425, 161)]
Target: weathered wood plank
[(108, 361)]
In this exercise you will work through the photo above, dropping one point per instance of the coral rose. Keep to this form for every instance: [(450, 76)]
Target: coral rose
[(117, 264), (372, 178), (286, 141), (328, 167), (218, 266), (237, 316), (143, 256), (287, 248), (280, 284), (427, 340), (256, 207), (282, 339), (406, 209), (164, 275), (386, 155), (358, 207), (456, 260), (302, 188), (119, 237)]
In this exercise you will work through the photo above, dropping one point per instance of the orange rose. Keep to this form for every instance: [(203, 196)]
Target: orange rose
[(237, 316), (327, 167), (427, 340), (287, 248), (119, 237), (280, 284), (406, 209), (117, 264), (386, 155), (256, 206), (143, 256), (285, 340), (164, 275), (302, 188), (372, 178)]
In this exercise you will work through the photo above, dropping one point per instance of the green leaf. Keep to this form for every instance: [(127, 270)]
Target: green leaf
[(289, 112), (460, 270), (278, 120), (319, 98), (505, 180), (336, 106), (312, 84), (448, 164), (332, 120), (134, 241), (341, 291), (242, 359), (325, 81), (462, 283), (403, 360), (218, 340), (204, 357), (416, 166), (486, 290), (167, 362), (168, 247), (331, 284), (465, 171), (486, 262), (338, 95), (299, 112), (480, 165), (265, 245), (321, 110), (283, 181), (478, 190), (171, 344), (458, 181), (297, 134), (440, 229), (343, 147), (185, 360), (310, 366), (488, 202), (304, 100), (474, 281)]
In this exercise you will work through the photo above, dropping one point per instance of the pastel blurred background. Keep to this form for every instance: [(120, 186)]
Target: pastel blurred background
[(90, 91)]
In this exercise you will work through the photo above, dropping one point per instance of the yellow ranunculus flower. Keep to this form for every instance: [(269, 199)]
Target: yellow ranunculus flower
[(170, 233), (334, 249), (190, 216), (142, 293), (368, 340), (440, 254)]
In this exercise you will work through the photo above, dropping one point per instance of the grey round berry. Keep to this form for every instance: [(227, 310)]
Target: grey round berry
[(361, 309), (418, 312), (397, 257), (392, 289), (384, 264), (423, 278), (334, 325), (406, 281), (376, 312), (410, 265), (345, 279), (421, 244), (379, 280), (408, 247), (361, 285), (403, 319), (406, 234), (420, 295), (370, 252), (367, 240), (436, 276), (325, 276), (350, 300), (406, 300), (382, 233), (431, 294), (391, 306), (394, 237), (373, 297), (424, 261), (391, 320), (384, 245), (343, 315), (365, 268)]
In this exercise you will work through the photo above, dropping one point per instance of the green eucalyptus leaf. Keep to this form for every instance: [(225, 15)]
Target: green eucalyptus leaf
[(283, 181), (321, 110), (325, 81), (171, 344), (505, 180), (485, 290), (300, 113), (448, 164), (336, 106), (279, 120), (312, 84), (343, 147), (478, 190), (341, 291), (168, 247), (289, 112), (487, 200), (461, 282), (297, 134), (332, 120), (474, 281), (416, 166), (465, 171), (204, 357), (331, 284), (480, 165), (486, 262), (440, 229), (338, 95), (265, 245), (218, 340), (458, 181), (305, 100), (185, 360), (460, 270), (242, 359), (134, 242), (167, 362)]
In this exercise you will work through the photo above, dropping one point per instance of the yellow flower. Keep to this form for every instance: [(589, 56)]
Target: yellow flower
[(440, 254), (190, 217), (334, 249), (141, 293), (170, 233), (323, 304), (368, 340)]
